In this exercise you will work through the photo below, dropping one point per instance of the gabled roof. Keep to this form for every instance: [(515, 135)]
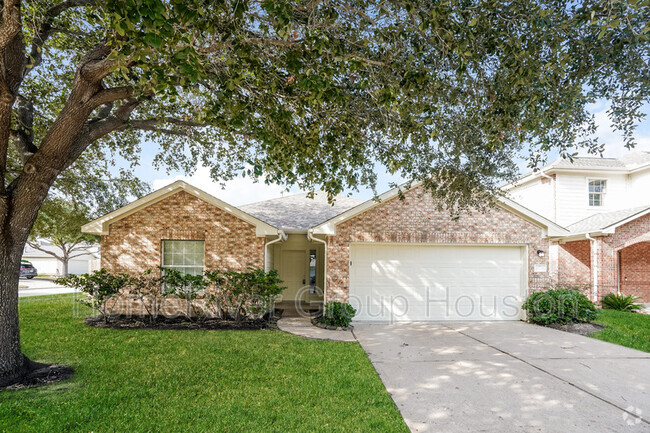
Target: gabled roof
[(100, 225), (628, 163), (299, 212), (329, 227), (607, 222)]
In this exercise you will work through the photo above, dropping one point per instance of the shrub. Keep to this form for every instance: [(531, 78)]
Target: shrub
[(237, 294), (621, 302), (559, 306), (338, 314), (185, 286), (147, 287), (584, 288), (100, 286)]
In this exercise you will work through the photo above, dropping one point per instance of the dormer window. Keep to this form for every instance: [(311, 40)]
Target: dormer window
[(596, 192)]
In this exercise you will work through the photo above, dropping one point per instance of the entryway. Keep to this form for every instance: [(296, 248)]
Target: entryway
[(300, 264)]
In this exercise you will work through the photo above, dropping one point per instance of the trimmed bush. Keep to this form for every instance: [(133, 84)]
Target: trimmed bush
[(621, 302), (338, 314), (559, 306), (100, 286)]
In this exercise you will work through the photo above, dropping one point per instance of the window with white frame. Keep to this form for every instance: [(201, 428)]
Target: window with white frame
[(184, 256), (597, 192)]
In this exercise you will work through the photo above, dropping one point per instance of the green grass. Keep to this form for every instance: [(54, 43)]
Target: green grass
[(191, 381), (624, 328)]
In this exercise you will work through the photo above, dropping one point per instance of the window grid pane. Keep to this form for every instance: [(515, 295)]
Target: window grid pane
[(596, 192), (184, 256)]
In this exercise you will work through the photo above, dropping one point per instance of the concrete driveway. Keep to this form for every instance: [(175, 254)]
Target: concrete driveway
[(508, 377), (41, 286)]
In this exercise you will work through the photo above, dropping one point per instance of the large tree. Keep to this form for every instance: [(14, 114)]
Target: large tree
[(312, 93)]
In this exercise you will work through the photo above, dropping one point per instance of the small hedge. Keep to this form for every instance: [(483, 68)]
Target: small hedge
[(338, 314), (559, 306), (621, 302)]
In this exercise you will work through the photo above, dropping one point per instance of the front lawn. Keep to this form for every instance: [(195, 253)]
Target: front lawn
[(624, 328), (191, 381)]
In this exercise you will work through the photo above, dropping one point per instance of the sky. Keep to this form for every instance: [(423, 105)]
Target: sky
[(245, 190)]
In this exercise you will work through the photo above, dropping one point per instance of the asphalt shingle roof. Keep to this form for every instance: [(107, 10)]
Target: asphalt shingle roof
[(629, 161), (299, 212), (603, 220)]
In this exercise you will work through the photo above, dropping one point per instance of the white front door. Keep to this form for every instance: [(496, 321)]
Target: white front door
[(398, 282), (293, 272)]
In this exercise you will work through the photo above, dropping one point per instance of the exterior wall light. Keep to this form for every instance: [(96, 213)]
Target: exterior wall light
[(540, 253)]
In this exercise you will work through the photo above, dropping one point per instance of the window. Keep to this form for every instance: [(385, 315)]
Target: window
[(596, 192), (183, 256)]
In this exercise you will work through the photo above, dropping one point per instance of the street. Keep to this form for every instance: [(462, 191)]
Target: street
[(41, 286)]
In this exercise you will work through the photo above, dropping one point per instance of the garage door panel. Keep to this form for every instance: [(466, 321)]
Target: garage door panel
[(395, 282)]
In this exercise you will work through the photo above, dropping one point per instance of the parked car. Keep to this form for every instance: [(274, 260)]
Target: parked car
[(27, 270)]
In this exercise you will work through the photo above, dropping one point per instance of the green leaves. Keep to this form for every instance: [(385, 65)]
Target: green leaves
[(322, 96)]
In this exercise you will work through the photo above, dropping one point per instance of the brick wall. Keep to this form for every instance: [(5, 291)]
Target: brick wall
[(635, 270), (416, 219), (574, 262), (631, 241), (134, 242), (624, 241)]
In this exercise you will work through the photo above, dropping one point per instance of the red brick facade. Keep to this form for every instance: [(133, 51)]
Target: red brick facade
[(134, 242), (628, 249), (574, 262), (635, 270), (417, 219)]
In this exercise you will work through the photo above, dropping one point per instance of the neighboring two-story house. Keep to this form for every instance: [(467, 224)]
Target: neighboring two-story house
[(605, 205)]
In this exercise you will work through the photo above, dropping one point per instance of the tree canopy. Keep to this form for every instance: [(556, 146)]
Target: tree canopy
[(315, 93)]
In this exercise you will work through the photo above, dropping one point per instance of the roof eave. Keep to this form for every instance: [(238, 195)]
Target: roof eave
[(100, 226), (329, 227)]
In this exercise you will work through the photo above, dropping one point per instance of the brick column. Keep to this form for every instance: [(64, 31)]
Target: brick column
[(608, 268)]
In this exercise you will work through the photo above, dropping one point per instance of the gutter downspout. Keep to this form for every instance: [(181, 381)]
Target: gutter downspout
[(282, 236), (310, 236), (594, 252)]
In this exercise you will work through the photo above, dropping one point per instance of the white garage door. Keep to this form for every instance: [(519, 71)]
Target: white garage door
[(396, 282)]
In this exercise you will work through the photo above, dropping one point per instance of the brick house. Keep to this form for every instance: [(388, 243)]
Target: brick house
[(604, 203), (393, 259)]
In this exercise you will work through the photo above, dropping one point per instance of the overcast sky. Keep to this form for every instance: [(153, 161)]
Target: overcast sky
[(245, 190)]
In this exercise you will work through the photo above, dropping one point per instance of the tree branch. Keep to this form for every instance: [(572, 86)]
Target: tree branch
[(10, 25), (24, 135), (38, 247), (36, 53)]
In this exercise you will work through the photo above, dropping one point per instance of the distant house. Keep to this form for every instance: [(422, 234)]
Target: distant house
[(46, 264), (604, 203)]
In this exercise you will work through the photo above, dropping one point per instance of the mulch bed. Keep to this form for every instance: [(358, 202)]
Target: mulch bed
[(180, 323), (578, 328), (43, 375), (316, 322)]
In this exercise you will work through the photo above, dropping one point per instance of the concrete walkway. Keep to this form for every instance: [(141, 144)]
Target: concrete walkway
[(303, 327), (41, 286), (508, 377)]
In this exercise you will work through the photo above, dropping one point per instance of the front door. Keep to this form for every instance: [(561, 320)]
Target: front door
[(293, 271)]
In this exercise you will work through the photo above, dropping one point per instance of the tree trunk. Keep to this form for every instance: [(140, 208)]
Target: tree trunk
[(13, 364), (64, 266), (18, 211)]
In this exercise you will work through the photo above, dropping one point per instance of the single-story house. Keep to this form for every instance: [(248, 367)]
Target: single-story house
[(394, 259)]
